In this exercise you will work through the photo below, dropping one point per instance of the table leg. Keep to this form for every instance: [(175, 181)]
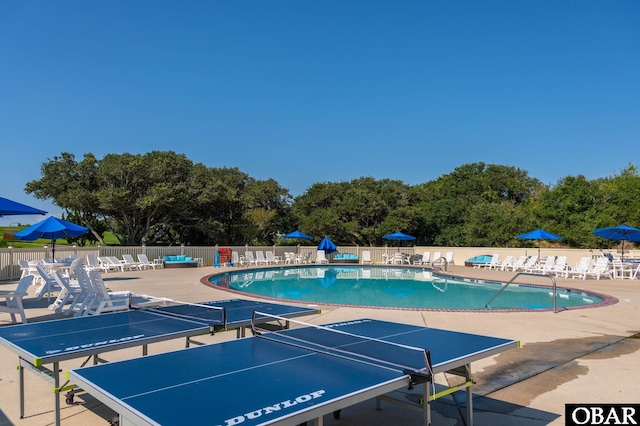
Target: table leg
[(21, 378), (56, 394), (426, 405), (469, 396)]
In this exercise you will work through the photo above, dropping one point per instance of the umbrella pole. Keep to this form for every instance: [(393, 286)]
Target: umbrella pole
[(53, 249)]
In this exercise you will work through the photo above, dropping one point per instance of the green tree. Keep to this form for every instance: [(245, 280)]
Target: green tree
[(72, 186), (446, 203)]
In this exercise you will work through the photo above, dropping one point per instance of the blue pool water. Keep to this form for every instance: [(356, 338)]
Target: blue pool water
[(393, 287)]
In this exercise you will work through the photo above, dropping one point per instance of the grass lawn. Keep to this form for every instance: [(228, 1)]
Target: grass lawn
[(7, 231)]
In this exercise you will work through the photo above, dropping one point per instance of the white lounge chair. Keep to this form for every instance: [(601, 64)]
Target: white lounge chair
[(320, 257), (530, 263), (437, 257), (117, 263), (235, 259), (560, 268), (24, 268), (426, 257), (248, 257), (85, 298), (494, 263), (260, 259), (94, 263), (70, 291), (129, 263), (13, 299), (143, 262), (601, 268), (105, 300), (70, 272), (48, 284), (581, 269), (544, 268), (449, 258), (272, 259), (366, 257), (506, 263), (518, 264)]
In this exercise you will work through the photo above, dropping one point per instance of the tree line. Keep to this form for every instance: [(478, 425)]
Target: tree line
[(162, 197)]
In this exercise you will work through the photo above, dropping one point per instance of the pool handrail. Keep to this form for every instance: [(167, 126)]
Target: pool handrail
[(553, 280)]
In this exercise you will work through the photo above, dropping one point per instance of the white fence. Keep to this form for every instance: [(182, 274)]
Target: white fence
[(10, 268)]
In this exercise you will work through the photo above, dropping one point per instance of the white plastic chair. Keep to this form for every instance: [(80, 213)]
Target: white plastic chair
[(105, 300), (581, 269), (449, 258), (129, 263), (366, 257), (70, 291), (13, 299), (320, 257), (271, 258), (143, 262), (48, 284)]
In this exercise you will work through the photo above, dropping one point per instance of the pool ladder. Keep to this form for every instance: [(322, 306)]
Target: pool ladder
[(553, 280)]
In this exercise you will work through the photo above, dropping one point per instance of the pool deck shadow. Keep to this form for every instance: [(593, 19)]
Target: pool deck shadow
[(573, 356)]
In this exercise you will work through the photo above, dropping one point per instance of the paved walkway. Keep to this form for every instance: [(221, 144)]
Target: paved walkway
[(574, 356)]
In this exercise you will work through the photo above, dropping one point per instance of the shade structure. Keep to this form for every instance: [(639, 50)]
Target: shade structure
[(539, 234), (619, 233), (297, 234), (51, 228), (327, 245), (13, 208)]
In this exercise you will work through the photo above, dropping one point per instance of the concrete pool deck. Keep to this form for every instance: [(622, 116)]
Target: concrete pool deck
[(574, 356)]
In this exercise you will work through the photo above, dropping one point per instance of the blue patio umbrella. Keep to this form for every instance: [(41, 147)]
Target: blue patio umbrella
[(539, 234), (51, 228), (13, 208), (327, 246), (399, 236), (297, 234), (617, 233)]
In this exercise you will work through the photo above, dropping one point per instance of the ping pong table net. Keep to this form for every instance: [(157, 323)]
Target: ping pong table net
[(214, 316), (410, 361)]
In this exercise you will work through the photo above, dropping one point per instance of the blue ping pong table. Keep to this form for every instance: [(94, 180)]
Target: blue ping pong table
[(287, 377), (50, 342)]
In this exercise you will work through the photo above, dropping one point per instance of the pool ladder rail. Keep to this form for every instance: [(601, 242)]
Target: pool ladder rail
[(553, 280)]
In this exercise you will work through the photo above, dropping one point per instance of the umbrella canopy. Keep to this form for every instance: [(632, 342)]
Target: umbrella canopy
[(399, 236), (617, 233), (12, 208), (327, 245), (539, 234), (296, 234), (51, 228)]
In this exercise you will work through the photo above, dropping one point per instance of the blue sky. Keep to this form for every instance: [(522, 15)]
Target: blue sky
[(306, 92)]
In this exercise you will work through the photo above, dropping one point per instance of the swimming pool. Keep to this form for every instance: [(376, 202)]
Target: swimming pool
[(405, 288)]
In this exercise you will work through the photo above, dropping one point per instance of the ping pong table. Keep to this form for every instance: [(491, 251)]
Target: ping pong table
[(287, 377), (50, 342)]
